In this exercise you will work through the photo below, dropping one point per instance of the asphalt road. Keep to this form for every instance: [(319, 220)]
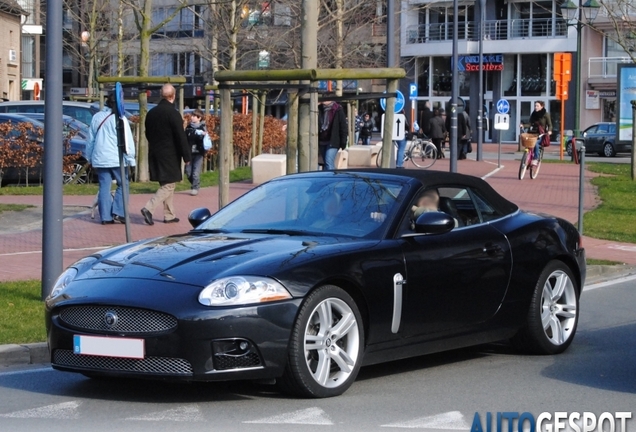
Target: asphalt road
[(437, 392)]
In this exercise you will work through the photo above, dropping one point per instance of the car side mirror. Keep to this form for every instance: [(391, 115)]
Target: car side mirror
[(198, 216), (435, 222)]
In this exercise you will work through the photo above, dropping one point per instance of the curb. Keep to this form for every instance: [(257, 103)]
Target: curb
[(38, 353), (14, 355)]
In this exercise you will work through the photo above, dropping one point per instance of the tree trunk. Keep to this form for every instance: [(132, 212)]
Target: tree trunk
[(339, 60), (144, 67)]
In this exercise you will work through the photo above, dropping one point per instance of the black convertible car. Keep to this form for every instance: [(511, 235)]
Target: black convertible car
[(308, 277)]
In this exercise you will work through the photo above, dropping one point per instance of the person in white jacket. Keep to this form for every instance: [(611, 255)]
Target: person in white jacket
[(103, 154)]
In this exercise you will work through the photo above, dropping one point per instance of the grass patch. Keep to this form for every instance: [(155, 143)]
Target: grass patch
[(592, 261), (615, 218), (21, 312), (207, 179), (13, 207)]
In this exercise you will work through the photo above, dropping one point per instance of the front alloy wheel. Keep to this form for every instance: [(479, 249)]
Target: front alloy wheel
[(553, 315), (608, 150), (326, 346)]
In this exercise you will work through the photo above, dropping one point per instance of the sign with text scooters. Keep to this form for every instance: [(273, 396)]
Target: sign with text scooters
[(399, 125)]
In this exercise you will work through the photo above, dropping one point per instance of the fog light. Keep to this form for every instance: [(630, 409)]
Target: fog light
[(243, 345)]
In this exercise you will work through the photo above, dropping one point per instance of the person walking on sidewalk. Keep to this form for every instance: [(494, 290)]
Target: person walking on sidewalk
[(167, 146), (333, 132), (195, 131), (437, 130), (102, 152), (366, 129)]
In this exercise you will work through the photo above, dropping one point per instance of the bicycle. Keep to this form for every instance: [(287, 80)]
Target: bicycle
[(529, 141), (421, 152)]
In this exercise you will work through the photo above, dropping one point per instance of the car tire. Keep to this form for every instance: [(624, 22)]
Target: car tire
[(608, 150), (326, 345), (553, 314), (568, 148)]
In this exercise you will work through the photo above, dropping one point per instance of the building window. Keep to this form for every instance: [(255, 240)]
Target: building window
[(187, 23), (28, 64), (533, 74)]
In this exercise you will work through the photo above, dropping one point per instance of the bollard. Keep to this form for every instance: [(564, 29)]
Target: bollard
[(581, 188)]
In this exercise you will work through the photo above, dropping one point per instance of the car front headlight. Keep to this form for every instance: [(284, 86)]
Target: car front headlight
[(242, 290), (63, 281)]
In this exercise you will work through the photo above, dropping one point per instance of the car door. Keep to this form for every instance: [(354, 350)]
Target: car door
[(458, 279), (591, 140)]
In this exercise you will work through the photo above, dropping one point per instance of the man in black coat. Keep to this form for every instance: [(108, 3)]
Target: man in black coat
[(167, 146), (461, 131), (333, 135)]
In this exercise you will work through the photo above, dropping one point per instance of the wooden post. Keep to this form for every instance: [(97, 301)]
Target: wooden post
[(313, 129), (261, 123), (387, 141), (292, 132), (633, 159), (254, 123), (225, 147), (181, 102)]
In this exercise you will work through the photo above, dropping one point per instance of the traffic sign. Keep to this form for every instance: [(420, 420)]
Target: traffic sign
[(502, 121), (562, 67), (412, 90), (399, 102), (399, 127), (503, 106)]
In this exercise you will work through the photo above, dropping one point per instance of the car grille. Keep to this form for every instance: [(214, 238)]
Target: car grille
[(225, 362), (129, 320), (149, 365)]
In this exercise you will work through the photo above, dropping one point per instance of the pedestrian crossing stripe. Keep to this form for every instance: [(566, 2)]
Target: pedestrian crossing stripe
[(308, 416), (61, 411), (188, 413)]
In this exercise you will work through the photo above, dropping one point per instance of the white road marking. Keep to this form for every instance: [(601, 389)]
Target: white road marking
[(65, 250), (61, 411), (493, 172), (308, 416), (609, 283), (188, 413), (20, 372), (452, 420), (622, 247)]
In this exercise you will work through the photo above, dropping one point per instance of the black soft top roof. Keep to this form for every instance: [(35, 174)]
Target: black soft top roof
[(435, 179)]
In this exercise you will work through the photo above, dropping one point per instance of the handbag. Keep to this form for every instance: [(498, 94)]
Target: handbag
[(207, 142)]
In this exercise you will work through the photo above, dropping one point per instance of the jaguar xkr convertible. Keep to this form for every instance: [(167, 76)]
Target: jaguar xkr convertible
[(308, 277)]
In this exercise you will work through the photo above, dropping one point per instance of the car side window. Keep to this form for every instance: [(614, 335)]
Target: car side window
[(612, 129), (486, 211), (603, 129), (591, 130)]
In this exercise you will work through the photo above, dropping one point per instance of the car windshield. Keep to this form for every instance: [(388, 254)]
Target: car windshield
[(342, 205)]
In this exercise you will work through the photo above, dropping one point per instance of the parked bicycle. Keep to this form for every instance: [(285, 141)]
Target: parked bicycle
[(529, 140), (421, 152)]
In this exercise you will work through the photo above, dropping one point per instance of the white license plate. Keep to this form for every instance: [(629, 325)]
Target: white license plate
[(108, 346)]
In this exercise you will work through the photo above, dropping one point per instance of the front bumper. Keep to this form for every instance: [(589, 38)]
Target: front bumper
[(198, 343)]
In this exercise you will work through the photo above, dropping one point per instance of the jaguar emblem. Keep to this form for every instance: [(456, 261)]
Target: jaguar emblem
[(110, 319)]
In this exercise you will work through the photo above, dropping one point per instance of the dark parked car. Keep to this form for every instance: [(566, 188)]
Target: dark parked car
[(308, 277), (76, 146), (601, 138), (81, 111)]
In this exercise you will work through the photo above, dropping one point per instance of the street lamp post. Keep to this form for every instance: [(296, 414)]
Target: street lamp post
[(574, 16)]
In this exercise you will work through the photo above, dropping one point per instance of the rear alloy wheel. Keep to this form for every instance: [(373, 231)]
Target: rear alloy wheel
[(74, 170), (608, 150), (553, 315), (326, 346)]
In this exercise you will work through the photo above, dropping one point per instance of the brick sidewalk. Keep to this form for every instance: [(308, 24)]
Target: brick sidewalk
[(555, 191)]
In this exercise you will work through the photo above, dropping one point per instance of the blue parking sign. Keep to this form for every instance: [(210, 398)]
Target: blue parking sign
[(412, 90)]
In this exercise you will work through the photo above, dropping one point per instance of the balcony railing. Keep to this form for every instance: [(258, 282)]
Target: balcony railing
[(493, 30), (605, 67)]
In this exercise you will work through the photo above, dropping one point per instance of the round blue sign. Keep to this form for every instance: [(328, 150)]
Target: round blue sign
[(399, 102), (119, 99), (503, 106)]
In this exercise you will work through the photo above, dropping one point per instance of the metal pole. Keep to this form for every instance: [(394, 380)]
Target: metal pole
[(52, 228), (121, 145), (313, 129), (581, 188), (480, 110), (454, 92), (390, 34), (577, 99), (388, 153)]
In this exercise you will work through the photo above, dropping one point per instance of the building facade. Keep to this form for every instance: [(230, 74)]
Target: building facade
[(520, 38), (10, 21)]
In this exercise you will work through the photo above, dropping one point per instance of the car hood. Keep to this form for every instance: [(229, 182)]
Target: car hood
[(198, 259)]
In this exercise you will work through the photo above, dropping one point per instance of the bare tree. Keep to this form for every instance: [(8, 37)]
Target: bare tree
[(621, 15)]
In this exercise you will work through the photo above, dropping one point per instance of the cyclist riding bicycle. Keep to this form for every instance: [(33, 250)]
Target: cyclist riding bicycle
[(540, 123)]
